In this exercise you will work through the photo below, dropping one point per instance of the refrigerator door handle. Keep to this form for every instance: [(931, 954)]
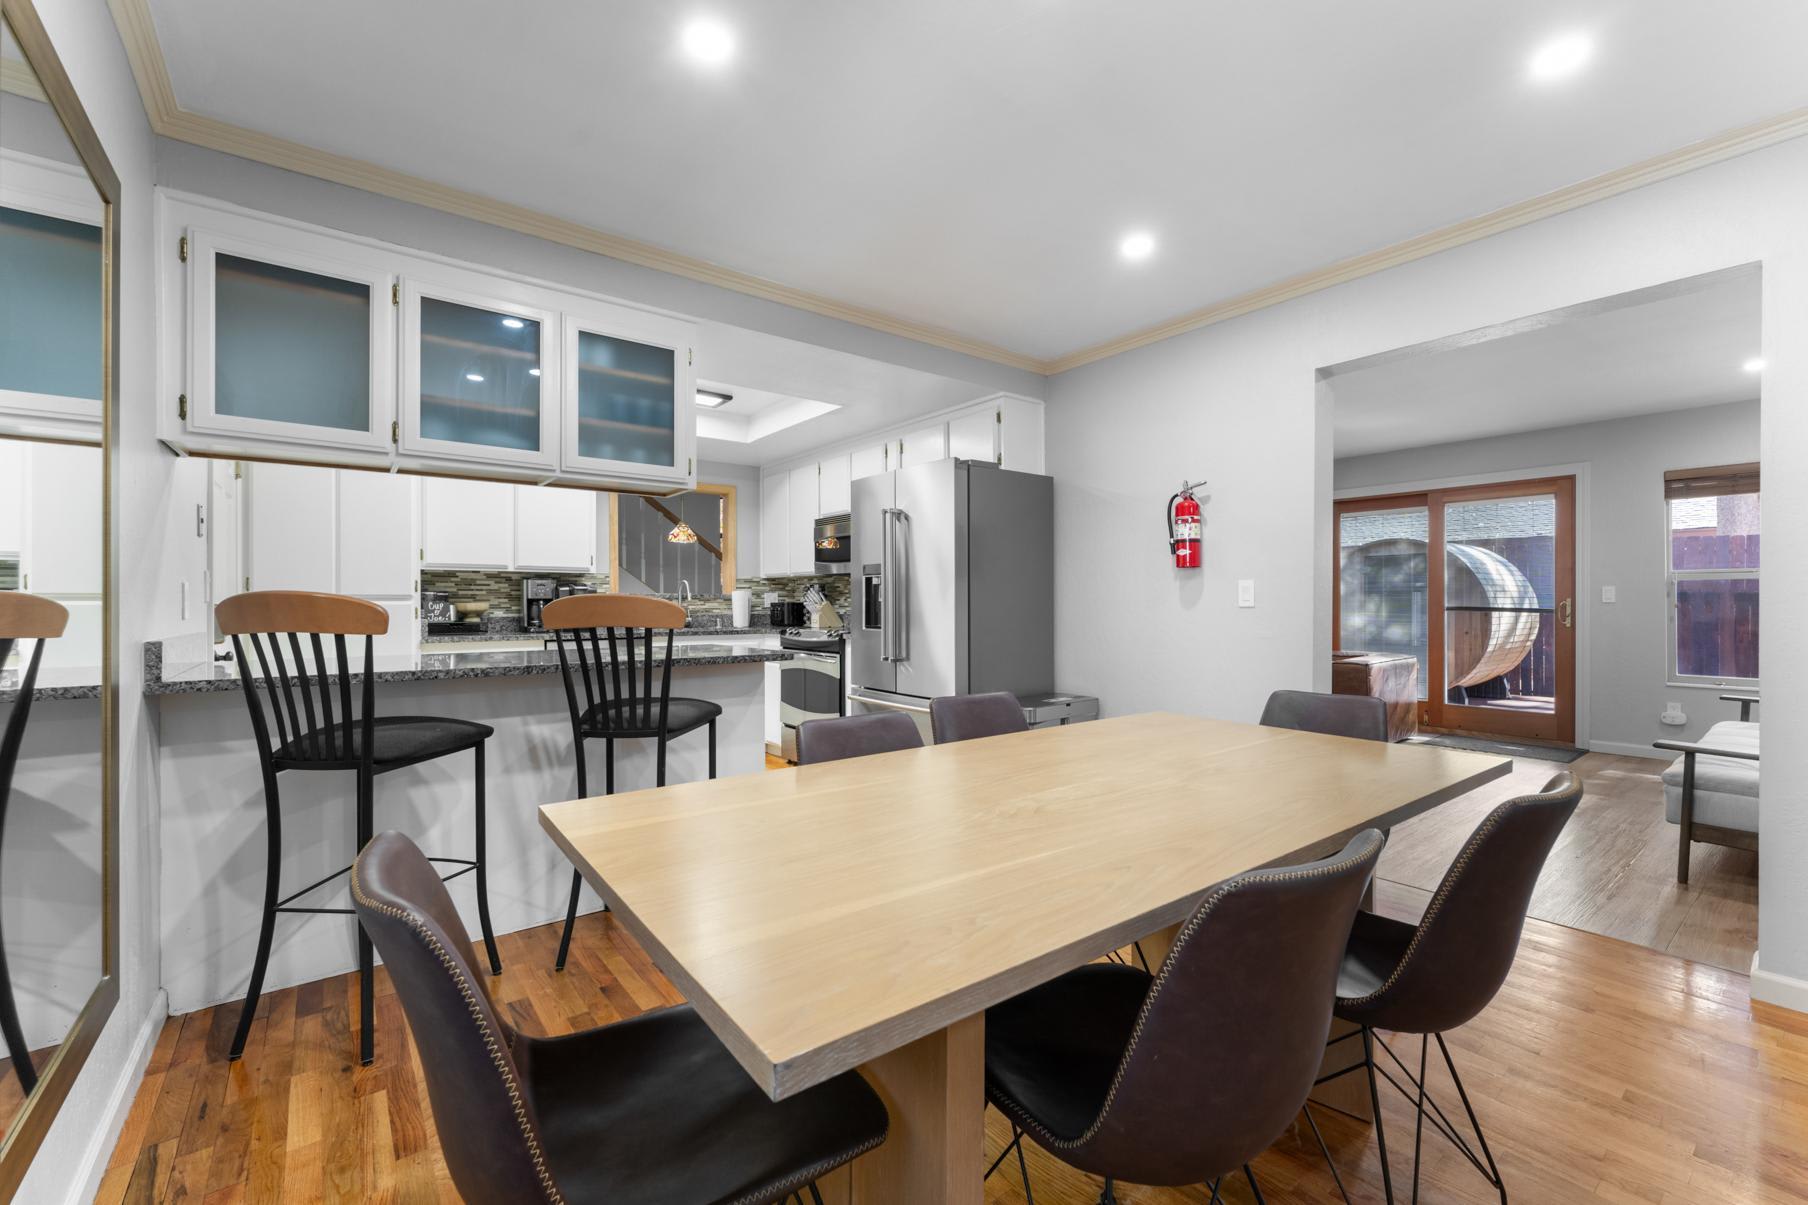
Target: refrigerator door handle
[(898, 573), (888, 557)]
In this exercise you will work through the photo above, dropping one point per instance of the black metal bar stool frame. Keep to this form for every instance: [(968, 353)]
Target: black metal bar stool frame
[(308, 737), (619, 701)]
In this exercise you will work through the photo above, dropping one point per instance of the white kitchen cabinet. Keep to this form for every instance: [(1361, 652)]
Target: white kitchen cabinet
[(923, 446), (974, 435), (775, 521), (467, 524), (800, 538), (555, 529), (290, 528), (403, 637), (62, 520), (50, 346), (629, 394), (1020, 434), (834, 486), (775, 728), (377, 552), (12, 496), (869, 461), (80, 643)]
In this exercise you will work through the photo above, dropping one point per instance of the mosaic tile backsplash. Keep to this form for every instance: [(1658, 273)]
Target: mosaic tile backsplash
[(503, 590)]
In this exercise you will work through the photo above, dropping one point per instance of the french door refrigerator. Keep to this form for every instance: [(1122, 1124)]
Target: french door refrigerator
[(953, 585)]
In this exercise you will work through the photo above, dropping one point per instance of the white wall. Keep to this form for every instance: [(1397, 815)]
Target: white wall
[(1620, 543), (1239, 403), (81, 1137)]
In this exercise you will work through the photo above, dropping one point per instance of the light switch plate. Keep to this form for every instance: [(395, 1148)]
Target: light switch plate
[(1608, 595), (1246, 592)]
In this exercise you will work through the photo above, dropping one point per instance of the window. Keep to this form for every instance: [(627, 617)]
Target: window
[(1712, 534)]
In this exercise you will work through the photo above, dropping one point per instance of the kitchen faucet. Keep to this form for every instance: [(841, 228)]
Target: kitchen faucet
[(684, 592)]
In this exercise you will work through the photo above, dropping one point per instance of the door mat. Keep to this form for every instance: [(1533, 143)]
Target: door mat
[(1477, 744)]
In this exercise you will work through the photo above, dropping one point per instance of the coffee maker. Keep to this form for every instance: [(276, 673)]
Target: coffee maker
[(536, 592)]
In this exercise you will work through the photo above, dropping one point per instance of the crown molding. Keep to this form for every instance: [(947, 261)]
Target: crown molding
[(16, 77), (1709, 151), (170, 120)]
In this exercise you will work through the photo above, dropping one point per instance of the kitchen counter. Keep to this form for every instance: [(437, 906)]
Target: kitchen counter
[(54, 682), (189, 676), (499, 637)]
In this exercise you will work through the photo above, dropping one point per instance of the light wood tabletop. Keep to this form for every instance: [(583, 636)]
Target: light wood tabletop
[(864, 913)]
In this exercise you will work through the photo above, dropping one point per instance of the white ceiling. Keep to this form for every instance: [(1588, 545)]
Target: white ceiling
[(971, 165), (1602, 360), (767, 373)]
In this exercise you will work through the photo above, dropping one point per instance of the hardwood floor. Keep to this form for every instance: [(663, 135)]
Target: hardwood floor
[(1613, 871), (1603, 1072)]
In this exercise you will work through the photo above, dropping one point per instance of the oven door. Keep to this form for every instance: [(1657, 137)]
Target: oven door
[(809, 688), (833, 541)]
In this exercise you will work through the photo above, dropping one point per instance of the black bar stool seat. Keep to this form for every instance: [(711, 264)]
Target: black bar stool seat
[(396, 741), (629, 718)]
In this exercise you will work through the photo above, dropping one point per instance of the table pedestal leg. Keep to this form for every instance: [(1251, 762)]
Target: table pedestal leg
[(934, 1090)]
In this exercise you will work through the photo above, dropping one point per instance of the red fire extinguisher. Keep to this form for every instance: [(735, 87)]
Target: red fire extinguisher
[(1185, 527)]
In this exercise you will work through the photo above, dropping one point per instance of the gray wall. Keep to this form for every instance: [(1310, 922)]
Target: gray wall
[(1621, 646), (304, 198)]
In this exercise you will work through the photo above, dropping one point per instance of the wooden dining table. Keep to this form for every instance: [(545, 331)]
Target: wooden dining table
[(863, 914)]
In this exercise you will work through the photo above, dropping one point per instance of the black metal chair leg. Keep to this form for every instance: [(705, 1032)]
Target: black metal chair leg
[(815, 1197), (1326, 1152), (16, 1047), (659, 778), (1215, 1199), (1108, 1194), (1253, 1186), (1418, 1138), (1023, 1169), (1474, 1123), (1368, 1066), (367, 997), (571, 918), (712, 748), (272, 868), (483, 882)]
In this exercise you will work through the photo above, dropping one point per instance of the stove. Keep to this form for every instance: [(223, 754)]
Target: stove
[(812, 685)]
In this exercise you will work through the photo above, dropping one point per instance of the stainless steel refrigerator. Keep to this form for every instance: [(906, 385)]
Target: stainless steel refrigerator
[(953, 585)]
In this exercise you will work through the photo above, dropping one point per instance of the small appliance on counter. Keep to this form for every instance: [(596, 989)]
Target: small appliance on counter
[(536, 592), (811, 685), (788, 614)]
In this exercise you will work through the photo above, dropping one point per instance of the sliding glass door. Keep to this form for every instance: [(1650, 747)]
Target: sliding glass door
[(1491, 619)]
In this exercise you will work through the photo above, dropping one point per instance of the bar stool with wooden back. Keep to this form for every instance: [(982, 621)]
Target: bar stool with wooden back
[(618, 705), (22, 617), (310, 735)]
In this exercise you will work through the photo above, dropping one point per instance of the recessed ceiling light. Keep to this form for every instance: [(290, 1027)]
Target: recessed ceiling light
[(708, 42), (1755, 364), (513, 324), (533, 372), (1561, 57), (1137, 245), (709, 399), (474, 376)]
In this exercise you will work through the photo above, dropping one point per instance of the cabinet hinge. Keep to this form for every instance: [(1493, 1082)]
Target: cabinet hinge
[(182, 405), (247, 582), (395, 432), (998, 417), (690, 464), (395, 294), (1001, 458), (690, 355), (182, 248)]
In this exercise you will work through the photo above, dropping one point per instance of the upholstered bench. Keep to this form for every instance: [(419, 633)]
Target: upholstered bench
[(1711, 791)]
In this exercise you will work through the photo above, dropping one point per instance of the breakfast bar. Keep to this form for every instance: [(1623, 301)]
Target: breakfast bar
[(212, 823)]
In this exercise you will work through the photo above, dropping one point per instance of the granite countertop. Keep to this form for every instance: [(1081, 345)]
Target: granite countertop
[(189, 675), (54, 682), (523, 634)]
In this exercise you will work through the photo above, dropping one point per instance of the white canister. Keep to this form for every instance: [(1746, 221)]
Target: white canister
[(742, 601)]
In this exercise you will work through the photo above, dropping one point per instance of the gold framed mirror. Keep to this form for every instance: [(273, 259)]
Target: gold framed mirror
[(59, 772)]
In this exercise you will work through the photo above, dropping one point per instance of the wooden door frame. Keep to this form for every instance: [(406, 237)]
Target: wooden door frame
[(1558, 725)]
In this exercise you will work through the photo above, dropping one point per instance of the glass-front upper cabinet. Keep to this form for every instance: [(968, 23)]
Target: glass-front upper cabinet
[(50, 310), (630, 389), (287, 345), (479, 377)]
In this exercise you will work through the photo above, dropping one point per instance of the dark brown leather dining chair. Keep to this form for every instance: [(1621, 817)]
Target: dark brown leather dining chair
[(1432, 977), (647, 1111), (1361, 716), (965, 717), (835, 737), (1184, 1076)]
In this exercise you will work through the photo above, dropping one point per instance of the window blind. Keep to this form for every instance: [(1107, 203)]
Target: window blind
[(1713, 482)]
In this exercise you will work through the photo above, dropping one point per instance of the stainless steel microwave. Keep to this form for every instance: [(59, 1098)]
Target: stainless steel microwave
[(834, 544)]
